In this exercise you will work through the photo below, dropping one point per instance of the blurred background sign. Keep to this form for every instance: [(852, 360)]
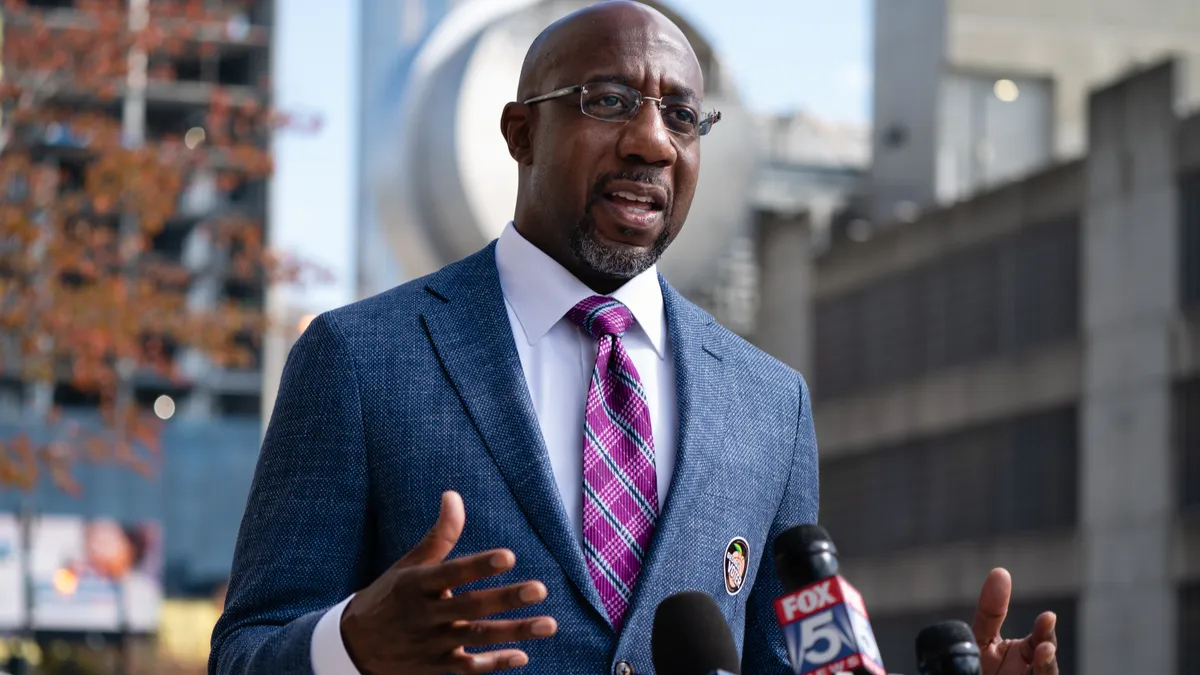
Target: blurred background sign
[(87, 575)]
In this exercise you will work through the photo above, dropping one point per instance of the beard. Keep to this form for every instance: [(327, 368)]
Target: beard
[(614, 260)]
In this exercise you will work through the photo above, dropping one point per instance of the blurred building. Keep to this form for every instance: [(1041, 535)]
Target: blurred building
[(971, 94), (1014, 380), (810, 165), (391, 33), (210, 443), (811, 170)]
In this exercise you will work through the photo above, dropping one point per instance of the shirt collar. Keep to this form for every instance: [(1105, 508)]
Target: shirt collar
[(540, 291)]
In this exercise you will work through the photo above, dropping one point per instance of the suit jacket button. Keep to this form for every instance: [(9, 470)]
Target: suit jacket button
[(622, 668)]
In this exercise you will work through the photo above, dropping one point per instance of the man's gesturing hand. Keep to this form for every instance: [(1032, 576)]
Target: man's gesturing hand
[(1032, 655), (409, 621)]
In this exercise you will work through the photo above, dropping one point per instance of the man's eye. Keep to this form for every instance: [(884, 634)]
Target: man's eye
[(683, 115), (610, 101)]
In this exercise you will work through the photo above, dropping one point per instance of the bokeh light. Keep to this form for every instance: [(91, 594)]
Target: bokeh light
[(194, 137), (65, 581), (302, 325), (164, 407), (1006, 90)]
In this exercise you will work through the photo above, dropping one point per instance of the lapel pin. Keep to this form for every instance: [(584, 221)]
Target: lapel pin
[(735, 564)]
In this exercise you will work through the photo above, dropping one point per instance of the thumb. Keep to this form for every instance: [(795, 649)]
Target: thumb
[(992, 607), (442, 537)]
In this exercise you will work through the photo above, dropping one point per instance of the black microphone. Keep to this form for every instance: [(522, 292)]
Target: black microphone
[(690, 637), (947, 648), (823, 618)]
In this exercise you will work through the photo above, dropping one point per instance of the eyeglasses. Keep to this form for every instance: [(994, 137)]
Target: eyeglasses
[(612, 102)]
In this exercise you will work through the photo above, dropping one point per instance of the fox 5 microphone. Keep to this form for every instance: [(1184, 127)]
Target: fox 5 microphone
[(823, 619), (947, 648), (690, 637)]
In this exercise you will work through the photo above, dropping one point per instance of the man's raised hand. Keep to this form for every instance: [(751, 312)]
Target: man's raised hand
[(408, 621), (1032, 655)]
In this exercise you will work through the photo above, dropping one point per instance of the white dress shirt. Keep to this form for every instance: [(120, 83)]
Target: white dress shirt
[(557, 358)]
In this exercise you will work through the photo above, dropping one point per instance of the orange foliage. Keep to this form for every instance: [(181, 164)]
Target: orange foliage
[(84, 298)]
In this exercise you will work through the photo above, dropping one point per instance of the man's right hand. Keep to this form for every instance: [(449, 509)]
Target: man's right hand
[(409, 621)]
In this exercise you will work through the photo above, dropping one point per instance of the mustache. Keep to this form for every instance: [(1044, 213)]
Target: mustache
[(655, 178)]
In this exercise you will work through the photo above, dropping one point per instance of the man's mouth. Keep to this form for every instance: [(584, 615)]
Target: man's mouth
[(636, 197), (633, 202)]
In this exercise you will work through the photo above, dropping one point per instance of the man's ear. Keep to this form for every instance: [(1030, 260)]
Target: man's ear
[(516, 124)]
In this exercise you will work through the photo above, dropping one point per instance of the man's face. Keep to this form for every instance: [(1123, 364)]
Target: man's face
[(591, 179)]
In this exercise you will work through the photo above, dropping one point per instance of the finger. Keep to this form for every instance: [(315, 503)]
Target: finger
[(459, 571), (464, 663), (992, 607), (1045, 660), (1043, 631), (483, 633), (1044, 628), (479, 604), (442, 537)]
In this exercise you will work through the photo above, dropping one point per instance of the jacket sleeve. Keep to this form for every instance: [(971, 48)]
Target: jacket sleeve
[(764, 652), (301, 544)]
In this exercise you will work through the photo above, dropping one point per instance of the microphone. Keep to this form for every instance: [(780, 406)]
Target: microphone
[(690, 637), (823, 619), (947, 648)]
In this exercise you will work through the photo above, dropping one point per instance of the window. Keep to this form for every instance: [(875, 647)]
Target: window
[(239, 404), (1042, 456), (1189, 212), (170, 242), (838, 339), (1043, 286), (972, 281), (892, 331), (896, 634), (1187, 438), (1004, 297), (1023, 472)]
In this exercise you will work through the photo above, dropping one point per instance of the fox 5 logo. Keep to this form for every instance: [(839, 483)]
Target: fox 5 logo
[(828, 637)]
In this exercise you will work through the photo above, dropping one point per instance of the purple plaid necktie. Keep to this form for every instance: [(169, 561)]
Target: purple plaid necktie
[(620, 485)]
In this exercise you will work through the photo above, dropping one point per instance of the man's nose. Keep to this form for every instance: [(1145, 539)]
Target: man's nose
[(646, 138)]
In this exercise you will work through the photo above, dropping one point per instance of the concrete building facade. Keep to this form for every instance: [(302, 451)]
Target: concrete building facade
[(972, 94), (1014, 381)]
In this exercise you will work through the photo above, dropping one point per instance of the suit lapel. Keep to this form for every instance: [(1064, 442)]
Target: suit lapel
[(698, 344), (473, 340)]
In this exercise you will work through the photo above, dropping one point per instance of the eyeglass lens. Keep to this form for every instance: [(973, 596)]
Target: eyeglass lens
[(617, 103)]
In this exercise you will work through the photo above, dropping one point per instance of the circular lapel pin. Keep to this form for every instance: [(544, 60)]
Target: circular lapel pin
[(735, 564)]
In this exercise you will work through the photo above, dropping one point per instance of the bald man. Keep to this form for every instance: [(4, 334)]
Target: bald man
[(512, 461)]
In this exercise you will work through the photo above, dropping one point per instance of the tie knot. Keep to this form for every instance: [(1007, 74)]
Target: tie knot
[(600, 315)]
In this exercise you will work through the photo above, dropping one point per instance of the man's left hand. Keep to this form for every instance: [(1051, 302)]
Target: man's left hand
[(1032, 655)]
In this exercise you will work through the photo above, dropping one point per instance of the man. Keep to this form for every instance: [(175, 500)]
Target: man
[(584, 440)]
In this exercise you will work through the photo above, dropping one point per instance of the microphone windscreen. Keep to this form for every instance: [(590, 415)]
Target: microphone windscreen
[(690, 637), (952, 643), (804, 554), (803, 540)]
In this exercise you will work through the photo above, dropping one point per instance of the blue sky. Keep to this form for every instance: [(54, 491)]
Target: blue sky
[(812, 55)]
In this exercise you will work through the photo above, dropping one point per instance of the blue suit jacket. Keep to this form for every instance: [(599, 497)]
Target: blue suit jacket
[(388, 402)]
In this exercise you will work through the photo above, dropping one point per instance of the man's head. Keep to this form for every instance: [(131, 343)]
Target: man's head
[(600, 192)]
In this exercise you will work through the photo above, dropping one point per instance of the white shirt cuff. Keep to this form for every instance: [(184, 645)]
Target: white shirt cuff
[(328, 652)]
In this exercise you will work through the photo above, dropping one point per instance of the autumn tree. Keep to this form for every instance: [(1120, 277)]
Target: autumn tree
[(90, 299)]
